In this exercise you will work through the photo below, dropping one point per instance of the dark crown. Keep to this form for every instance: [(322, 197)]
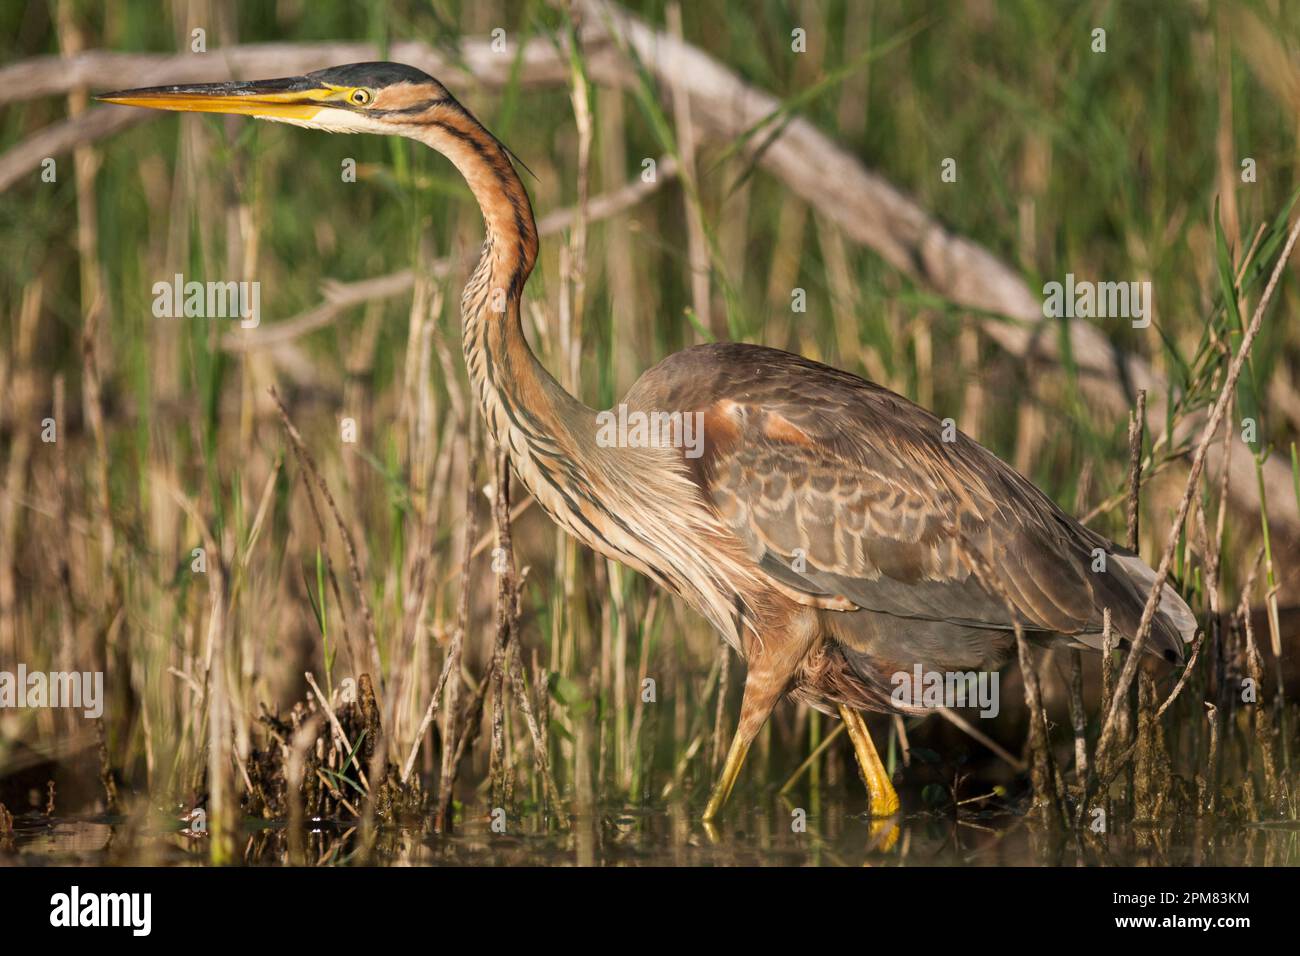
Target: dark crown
[(373, 75)]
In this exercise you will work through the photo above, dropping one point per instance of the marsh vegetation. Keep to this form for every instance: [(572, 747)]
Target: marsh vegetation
[(330, 628)]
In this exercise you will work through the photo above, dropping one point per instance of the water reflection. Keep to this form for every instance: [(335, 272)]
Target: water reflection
[(756, 832)]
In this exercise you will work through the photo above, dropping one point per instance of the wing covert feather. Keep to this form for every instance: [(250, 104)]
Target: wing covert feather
[(841, 489)]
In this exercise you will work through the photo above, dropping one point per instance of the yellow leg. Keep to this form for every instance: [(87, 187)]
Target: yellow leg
[(884, 799), (727, 779)]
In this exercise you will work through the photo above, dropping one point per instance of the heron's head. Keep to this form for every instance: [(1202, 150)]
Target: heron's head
[(385, 98)]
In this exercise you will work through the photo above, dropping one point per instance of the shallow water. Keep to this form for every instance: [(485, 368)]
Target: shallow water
[(755, 832)]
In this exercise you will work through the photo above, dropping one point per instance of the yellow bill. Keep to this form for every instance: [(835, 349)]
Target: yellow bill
[(290, 98)]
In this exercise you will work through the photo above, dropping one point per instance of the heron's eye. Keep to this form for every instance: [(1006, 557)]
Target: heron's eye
[(360, 97)]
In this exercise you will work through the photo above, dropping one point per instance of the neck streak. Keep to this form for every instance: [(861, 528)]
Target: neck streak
[(547, 431), (607, 498)]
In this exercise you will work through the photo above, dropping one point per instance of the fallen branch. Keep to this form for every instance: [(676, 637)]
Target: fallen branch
[(340, 296), (865, 206)]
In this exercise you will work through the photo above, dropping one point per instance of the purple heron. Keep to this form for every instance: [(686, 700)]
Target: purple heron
[(829, 529)]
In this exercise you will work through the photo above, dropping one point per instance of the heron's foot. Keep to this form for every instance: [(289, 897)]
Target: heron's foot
[(884, 802), (727, 779)]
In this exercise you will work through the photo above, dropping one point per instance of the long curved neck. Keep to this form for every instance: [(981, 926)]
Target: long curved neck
[(521, 400), (611, 499)]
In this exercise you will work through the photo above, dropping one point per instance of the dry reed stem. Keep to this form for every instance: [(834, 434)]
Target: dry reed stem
[(811, 759), (1136, 425), (535, 727), (504, 566), (719, 714), (349, 547), (1129, 670), (18, 413), (697, 252), (1209, 791), (304, 739), (1078, 716), (323, 553), (221, 804), (452, 659), (341, 741), (1262, 722), (451, 669), (698, 733), (427, 492), (1048, 796), (93, 302), (1148, 796)]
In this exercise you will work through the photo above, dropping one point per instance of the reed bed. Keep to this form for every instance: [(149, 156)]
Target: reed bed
[(313, 588)]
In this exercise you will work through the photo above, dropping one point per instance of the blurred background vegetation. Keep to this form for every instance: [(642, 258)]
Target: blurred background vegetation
[(1113, 166)]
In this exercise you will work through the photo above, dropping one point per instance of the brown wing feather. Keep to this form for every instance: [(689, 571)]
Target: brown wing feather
[(841, 489)]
